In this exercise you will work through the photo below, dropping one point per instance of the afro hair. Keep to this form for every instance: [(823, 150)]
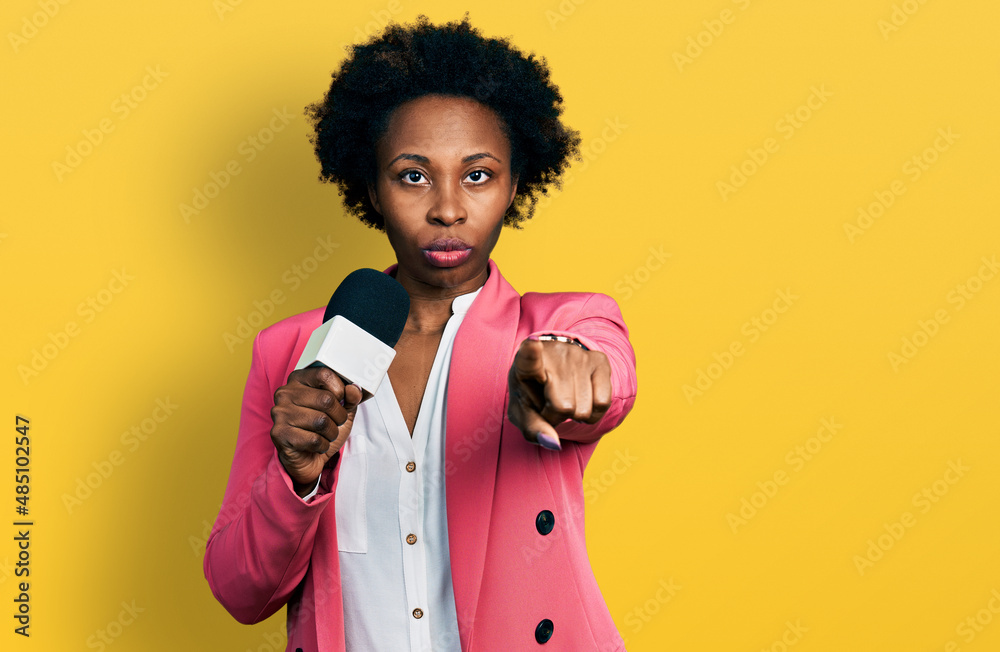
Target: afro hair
[(406, 62)]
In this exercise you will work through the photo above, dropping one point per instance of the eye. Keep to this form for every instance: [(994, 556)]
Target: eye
[(412, 177), (478, 177)]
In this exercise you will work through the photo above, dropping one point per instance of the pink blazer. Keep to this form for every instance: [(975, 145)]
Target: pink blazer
[(268, 548)]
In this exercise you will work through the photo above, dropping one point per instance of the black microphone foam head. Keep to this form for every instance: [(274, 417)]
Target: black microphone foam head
[(372, 300)]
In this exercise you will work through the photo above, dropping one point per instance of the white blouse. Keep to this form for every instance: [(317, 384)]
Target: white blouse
[(392, 521)]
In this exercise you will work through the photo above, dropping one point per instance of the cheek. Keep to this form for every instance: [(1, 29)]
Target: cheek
[(406, 208), (397, 214), (397, 238), (404, 238)]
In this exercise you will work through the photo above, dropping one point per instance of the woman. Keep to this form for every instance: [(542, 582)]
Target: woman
[(446, 513)]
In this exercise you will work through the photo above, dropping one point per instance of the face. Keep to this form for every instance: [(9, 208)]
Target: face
[(442, 187)]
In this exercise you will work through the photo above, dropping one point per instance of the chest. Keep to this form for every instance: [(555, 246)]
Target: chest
[(409, 371)]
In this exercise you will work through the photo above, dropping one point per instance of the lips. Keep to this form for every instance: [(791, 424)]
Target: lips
[(447, 252), (448, 244)]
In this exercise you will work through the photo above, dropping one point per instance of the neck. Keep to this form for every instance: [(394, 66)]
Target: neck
[(430, 306)]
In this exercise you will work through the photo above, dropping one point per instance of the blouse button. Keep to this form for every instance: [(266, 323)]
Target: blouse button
[(418, 613), (411, 467), (411, 539)]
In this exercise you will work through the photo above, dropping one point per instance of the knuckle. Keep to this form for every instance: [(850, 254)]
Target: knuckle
[(326, 375), (320, 423), (602, 404), (562, 405), (279, 435)]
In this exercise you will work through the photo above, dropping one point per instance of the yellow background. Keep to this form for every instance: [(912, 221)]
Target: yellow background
[(663, 489)]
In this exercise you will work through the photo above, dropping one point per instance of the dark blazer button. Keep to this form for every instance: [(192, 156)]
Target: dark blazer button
[(544, 522), (543, 632)]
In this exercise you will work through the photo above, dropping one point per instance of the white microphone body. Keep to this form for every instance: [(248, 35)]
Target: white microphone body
[(351, 352)]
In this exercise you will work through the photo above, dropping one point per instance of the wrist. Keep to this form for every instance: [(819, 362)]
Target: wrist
[(548, 337)]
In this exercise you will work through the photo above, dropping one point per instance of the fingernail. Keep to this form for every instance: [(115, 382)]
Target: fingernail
[(548, 441)]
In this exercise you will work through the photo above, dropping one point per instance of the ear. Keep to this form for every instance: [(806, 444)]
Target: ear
[(373, 197)]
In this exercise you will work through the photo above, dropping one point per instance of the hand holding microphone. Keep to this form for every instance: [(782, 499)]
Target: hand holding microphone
[(313, 414), (342, 365)]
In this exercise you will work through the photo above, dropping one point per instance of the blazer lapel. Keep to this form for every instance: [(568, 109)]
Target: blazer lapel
[(477, 406)]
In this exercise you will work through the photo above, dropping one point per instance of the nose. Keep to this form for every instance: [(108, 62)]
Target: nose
[(447, 206)]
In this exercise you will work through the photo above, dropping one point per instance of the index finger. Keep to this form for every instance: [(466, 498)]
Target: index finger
[(320, 378)]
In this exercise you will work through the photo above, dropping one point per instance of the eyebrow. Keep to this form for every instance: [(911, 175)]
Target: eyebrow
[(423, 159)]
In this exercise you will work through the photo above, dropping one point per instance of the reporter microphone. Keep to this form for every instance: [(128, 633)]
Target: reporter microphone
[(361, 325)]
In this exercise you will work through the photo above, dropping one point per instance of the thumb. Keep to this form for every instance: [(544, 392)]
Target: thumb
[(352, 396)]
